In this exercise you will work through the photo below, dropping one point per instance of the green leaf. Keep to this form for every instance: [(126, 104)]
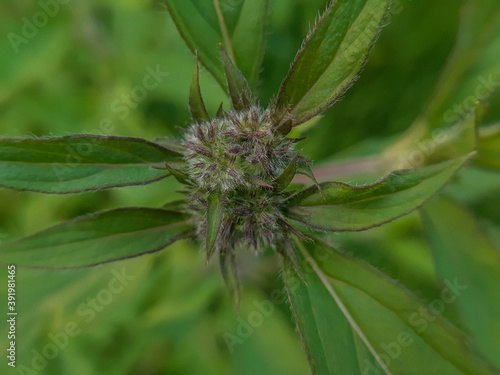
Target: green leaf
[(489, 148), (196, 105), (239, 91), (341, 207), (247, 39), (215, 214), (461, 251), (239, 25), (332, 57), (355, 320), (98, 238), (283, 180), (305, 170), (229, 270), (178, 174), (80, 163), (326, 335)]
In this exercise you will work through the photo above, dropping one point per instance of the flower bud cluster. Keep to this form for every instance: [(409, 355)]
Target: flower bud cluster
[(239, 157)]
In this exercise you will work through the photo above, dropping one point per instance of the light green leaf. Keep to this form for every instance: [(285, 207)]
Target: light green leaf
[(240, 26), (461, 251), (98, 238), (332, 57), (489, 148), (80, 163), (341, 207), (390, 331)]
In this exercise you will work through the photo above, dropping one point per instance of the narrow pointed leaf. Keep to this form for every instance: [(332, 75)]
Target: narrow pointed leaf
[(220, 111), (238, 25), (248, 40), (80, 163), (306, 170), (341, 207), (355, 320), (239, 91), (332, 57), (196, 105), (288, 174), (214, 222), (98, 238), (178, 174), (461, 251), (230, 274)]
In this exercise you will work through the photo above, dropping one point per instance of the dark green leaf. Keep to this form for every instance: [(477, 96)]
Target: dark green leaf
[(220, 111), (306, 170), (80, 163), (239, 91), (229, 271), (97, 238), (247, 39), (462, 252), (214, 221), (341, 207), (332, 57), (178, 174), (355, 320), (288, 174), (196, 105)]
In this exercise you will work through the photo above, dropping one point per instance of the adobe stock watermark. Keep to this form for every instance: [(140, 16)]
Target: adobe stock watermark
[(87, 311), (120, 108), (264, 309), (418, 321), (423, 149), (48, 9), (486, 86)]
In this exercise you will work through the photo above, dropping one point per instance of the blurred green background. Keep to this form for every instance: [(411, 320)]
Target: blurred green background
[(174, 316)]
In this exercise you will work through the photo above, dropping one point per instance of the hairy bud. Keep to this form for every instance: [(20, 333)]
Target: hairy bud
[(239, 158)]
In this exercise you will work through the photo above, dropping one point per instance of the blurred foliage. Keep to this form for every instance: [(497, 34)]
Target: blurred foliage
[(172, 317)]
